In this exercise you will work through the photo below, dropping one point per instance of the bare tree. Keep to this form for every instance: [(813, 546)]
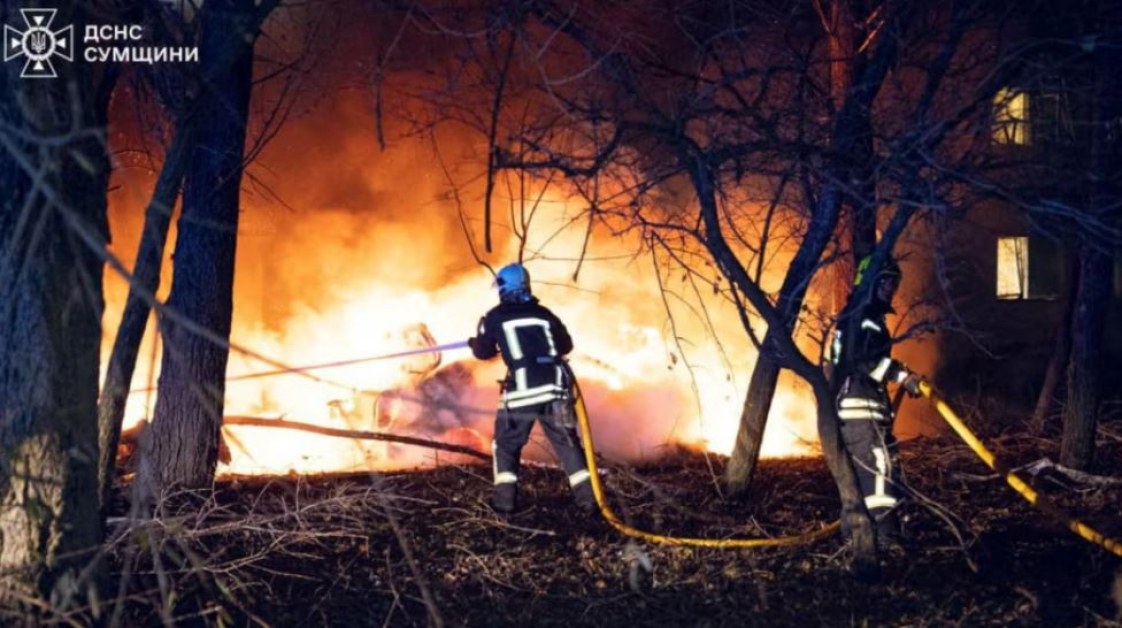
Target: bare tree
[(697, 124), (176, 89), (134, 321), (741, 131), (54, 172), (181, 448), (170, 84), (145, 279), (855, 79), (1092, 300)]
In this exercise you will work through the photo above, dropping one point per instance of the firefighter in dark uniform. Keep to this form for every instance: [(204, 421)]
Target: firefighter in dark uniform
[(532, 342), (862, 368)]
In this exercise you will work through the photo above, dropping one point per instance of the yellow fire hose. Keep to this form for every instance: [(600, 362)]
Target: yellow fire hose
[(651, 537), (1031, 496)]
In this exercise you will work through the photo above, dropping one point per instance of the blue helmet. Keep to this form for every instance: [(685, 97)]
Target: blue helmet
[(513, 283)]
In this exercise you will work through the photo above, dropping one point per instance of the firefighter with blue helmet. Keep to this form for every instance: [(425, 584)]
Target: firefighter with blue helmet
[(532, 342), (861, 356)]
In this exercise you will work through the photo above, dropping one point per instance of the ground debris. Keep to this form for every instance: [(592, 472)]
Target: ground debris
[(326, 550)]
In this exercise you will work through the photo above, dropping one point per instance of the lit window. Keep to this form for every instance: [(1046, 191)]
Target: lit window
[(1011, 117), (1024, 276), (1012, 268)]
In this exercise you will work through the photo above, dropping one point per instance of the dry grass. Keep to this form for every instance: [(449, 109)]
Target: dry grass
[(424, 549)]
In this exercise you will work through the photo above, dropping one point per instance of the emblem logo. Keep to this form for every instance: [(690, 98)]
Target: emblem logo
[(38, 43)]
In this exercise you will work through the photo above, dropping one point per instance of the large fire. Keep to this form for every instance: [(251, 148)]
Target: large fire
[(346, 251), (368, 257)]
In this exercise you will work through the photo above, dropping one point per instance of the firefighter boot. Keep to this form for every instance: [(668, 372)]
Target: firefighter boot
[(888, 531), (585, 499), (504, 499)]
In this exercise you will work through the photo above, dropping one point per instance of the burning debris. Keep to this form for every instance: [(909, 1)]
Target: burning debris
[(426, 408), (429, 403), (330, 279)]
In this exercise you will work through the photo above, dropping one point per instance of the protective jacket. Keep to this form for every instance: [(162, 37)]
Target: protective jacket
[(531, 340), (863, 365)]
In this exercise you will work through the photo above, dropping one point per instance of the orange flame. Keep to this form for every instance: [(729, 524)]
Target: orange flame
[(374, 248)]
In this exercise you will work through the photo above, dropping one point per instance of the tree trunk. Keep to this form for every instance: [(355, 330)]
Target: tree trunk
[(1057, 364), (1084, 382), (1083, 374), (181, 447), (783, 350), (145, 283), (52, 231), (753, 419), (845, 65), (851, 122)]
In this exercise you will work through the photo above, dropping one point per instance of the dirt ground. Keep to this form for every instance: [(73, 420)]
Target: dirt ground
[(422, 547)]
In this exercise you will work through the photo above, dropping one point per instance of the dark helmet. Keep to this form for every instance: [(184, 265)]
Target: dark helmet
[(513, 282), (889, 269)]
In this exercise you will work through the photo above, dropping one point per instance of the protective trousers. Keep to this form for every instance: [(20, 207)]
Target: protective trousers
[(872, 448), (512, 431)]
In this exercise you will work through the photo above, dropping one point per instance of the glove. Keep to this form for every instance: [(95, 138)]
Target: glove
[(471, 343), (911, 384)]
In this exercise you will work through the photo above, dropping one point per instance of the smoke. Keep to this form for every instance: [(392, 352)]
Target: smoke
[(343, 247)]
